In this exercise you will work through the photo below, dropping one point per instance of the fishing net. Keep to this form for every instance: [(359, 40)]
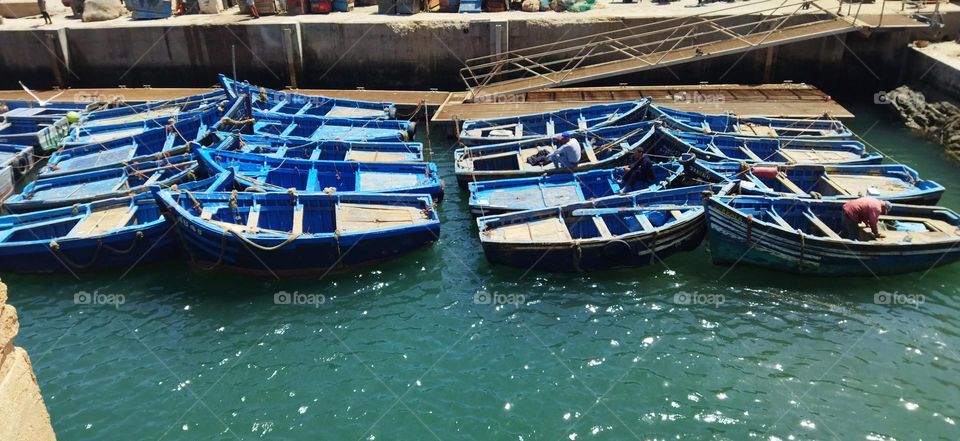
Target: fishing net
[(578, 5)]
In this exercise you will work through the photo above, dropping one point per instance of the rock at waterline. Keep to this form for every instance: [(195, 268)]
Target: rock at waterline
[(938, 121)]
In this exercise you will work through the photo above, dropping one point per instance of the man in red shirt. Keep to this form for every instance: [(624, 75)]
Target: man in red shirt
[(867, 210)]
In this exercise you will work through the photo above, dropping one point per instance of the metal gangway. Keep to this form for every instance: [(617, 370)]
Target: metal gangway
[(678, 40)]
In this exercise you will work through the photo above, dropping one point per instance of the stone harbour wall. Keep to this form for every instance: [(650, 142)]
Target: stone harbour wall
[(23, 415)]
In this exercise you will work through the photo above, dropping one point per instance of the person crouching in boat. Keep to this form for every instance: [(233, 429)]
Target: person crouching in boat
[(566, 156), (867, 210), (640, 169)]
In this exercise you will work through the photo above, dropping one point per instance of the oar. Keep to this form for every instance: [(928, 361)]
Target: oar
[(617, 141)]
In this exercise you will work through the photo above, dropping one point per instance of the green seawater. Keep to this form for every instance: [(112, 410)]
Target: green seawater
[(403, 351)]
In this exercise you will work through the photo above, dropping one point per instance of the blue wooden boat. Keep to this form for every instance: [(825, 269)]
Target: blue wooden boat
[(291, 234), (802, 236), (323, 150), (149, 145), (315, 105), (149, 9), (613, 232), (42, 136), (332, 129), (30, 111), (548, 124), (759, 150), (19, 157), (752, 127), (121, 113), (15, 162), (897, 183), (110, 233), (492, 197), (279, 174), (607, 147), (78, 188)]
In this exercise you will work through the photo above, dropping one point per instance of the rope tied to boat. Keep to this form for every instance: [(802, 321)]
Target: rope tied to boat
[(251, 243), (235, 122)]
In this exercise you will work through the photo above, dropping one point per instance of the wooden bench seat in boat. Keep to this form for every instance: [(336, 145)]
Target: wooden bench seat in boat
[(797, 156), (545, 230), (602, 227), (827, 181), (103, 221), (759, 130), (645, 222), (786, 182), (822, 227), (779, 220), (375, 156), (352, 218)]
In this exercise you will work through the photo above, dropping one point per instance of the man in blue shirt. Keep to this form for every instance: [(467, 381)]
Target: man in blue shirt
[(568, 154)]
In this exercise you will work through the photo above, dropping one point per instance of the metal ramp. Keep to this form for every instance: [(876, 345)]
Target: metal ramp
[(650, 46)]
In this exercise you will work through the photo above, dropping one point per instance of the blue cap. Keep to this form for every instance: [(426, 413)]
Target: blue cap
[(566, 134)]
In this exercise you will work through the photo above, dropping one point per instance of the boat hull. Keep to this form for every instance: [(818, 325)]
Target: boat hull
[(735, 239), (640, 250)]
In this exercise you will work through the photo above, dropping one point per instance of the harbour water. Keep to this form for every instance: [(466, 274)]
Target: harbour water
[(442, 345)]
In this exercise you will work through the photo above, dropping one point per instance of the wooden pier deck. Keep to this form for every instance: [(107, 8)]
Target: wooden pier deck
[(786, 100), (789, 100)]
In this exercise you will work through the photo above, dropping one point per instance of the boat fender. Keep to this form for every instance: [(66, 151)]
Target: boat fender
[(413, 129), (816, 195), (391, 112), (404, 136), (76, 209), (616, 246), (54, 245), (765, 172), (687, 159)]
